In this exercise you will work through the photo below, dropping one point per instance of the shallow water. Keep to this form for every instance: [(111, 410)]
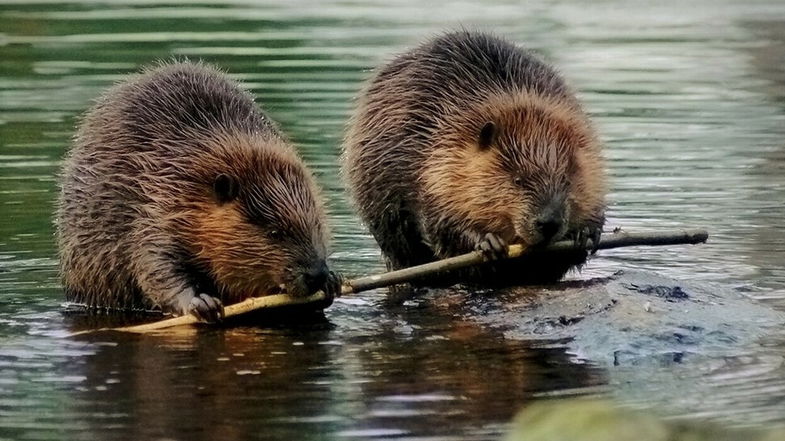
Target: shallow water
[(689, 98)]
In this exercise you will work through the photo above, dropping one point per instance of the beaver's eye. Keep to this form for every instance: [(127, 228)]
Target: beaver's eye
[(518, 181), (275, 234), (226, 188), (487, 135)]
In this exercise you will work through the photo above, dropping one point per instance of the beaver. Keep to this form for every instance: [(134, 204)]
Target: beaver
[(471, 142), (180, 194)]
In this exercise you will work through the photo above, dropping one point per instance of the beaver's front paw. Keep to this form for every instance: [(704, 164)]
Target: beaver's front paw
[(492, 247), (589, 232), (206, 308), (332, 287)]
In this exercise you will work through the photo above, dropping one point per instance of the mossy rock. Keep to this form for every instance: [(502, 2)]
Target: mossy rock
[(599, 420)]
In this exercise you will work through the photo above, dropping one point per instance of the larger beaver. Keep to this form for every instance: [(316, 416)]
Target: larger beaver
[(470, 142), (180, 194)]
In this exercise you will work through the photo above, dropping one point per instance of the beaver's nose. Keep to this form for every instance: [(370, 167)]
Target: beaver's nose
[(316, 275), (551, 218), (548, 226)]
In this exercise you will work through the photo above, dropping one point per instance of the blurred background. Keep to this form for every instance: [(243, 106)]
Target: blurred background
[(689, 98)]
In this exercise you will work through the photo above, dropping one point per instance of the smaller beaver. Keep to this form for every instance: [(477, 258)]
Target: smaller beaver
[(470, 142), (180, 194)]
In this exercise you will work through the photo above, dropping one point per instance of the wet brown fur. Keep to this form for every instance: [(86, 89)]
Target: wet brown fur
[(139, 224), (428, 190)]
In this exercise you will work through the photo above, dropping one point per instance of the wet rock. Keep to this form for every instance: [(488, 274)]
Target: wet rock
[(632, 317), (669, 293)]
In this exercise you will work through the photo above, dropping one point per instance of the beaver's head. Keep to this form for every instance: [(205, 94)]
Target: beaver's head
[(524, 167), (260, 226)]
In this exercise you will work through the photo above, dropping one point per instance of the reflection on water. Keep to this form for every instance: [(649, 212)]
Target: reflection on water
[(690, 102), (315, 379)]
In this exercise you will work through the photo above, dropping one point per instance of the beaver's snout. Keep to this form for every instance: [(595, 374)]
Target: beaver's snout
[(310, 279), (548, 227), (551, 221), (315, 277)]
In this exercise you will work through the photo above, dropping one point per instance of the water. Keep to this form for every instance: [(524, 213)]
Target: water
[(689, 98)]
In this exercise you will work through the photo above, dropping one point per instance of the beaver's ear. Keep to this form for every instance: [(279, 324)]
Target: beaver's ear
[(487, 135), (226, 188)]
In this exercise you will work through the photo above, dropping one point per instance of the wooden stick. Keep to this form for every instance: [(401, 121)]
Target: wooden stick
[(614, 240), (246, 306)]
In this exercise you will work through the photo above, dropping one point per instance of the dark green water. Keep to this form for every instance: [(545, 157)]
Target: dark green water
[(689, 97)]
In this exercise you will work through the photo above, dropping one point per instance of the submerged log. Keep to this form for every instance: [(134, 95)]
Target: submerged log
[(617, 239)]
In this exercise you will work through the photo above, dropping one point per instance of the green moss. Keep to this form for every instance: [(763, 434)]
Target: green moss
[(599, 420)]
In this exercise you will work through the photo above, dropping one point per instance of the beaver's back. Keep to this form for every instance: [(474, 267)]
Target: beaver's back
[(129, 164), (461, 68), (168, 107)]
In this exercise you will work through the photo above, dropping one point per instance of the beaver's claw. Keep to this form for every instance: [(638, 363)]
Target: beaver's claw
[(332, 287), (586, 233), (492, 247), (596, 232), (206, 308)]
